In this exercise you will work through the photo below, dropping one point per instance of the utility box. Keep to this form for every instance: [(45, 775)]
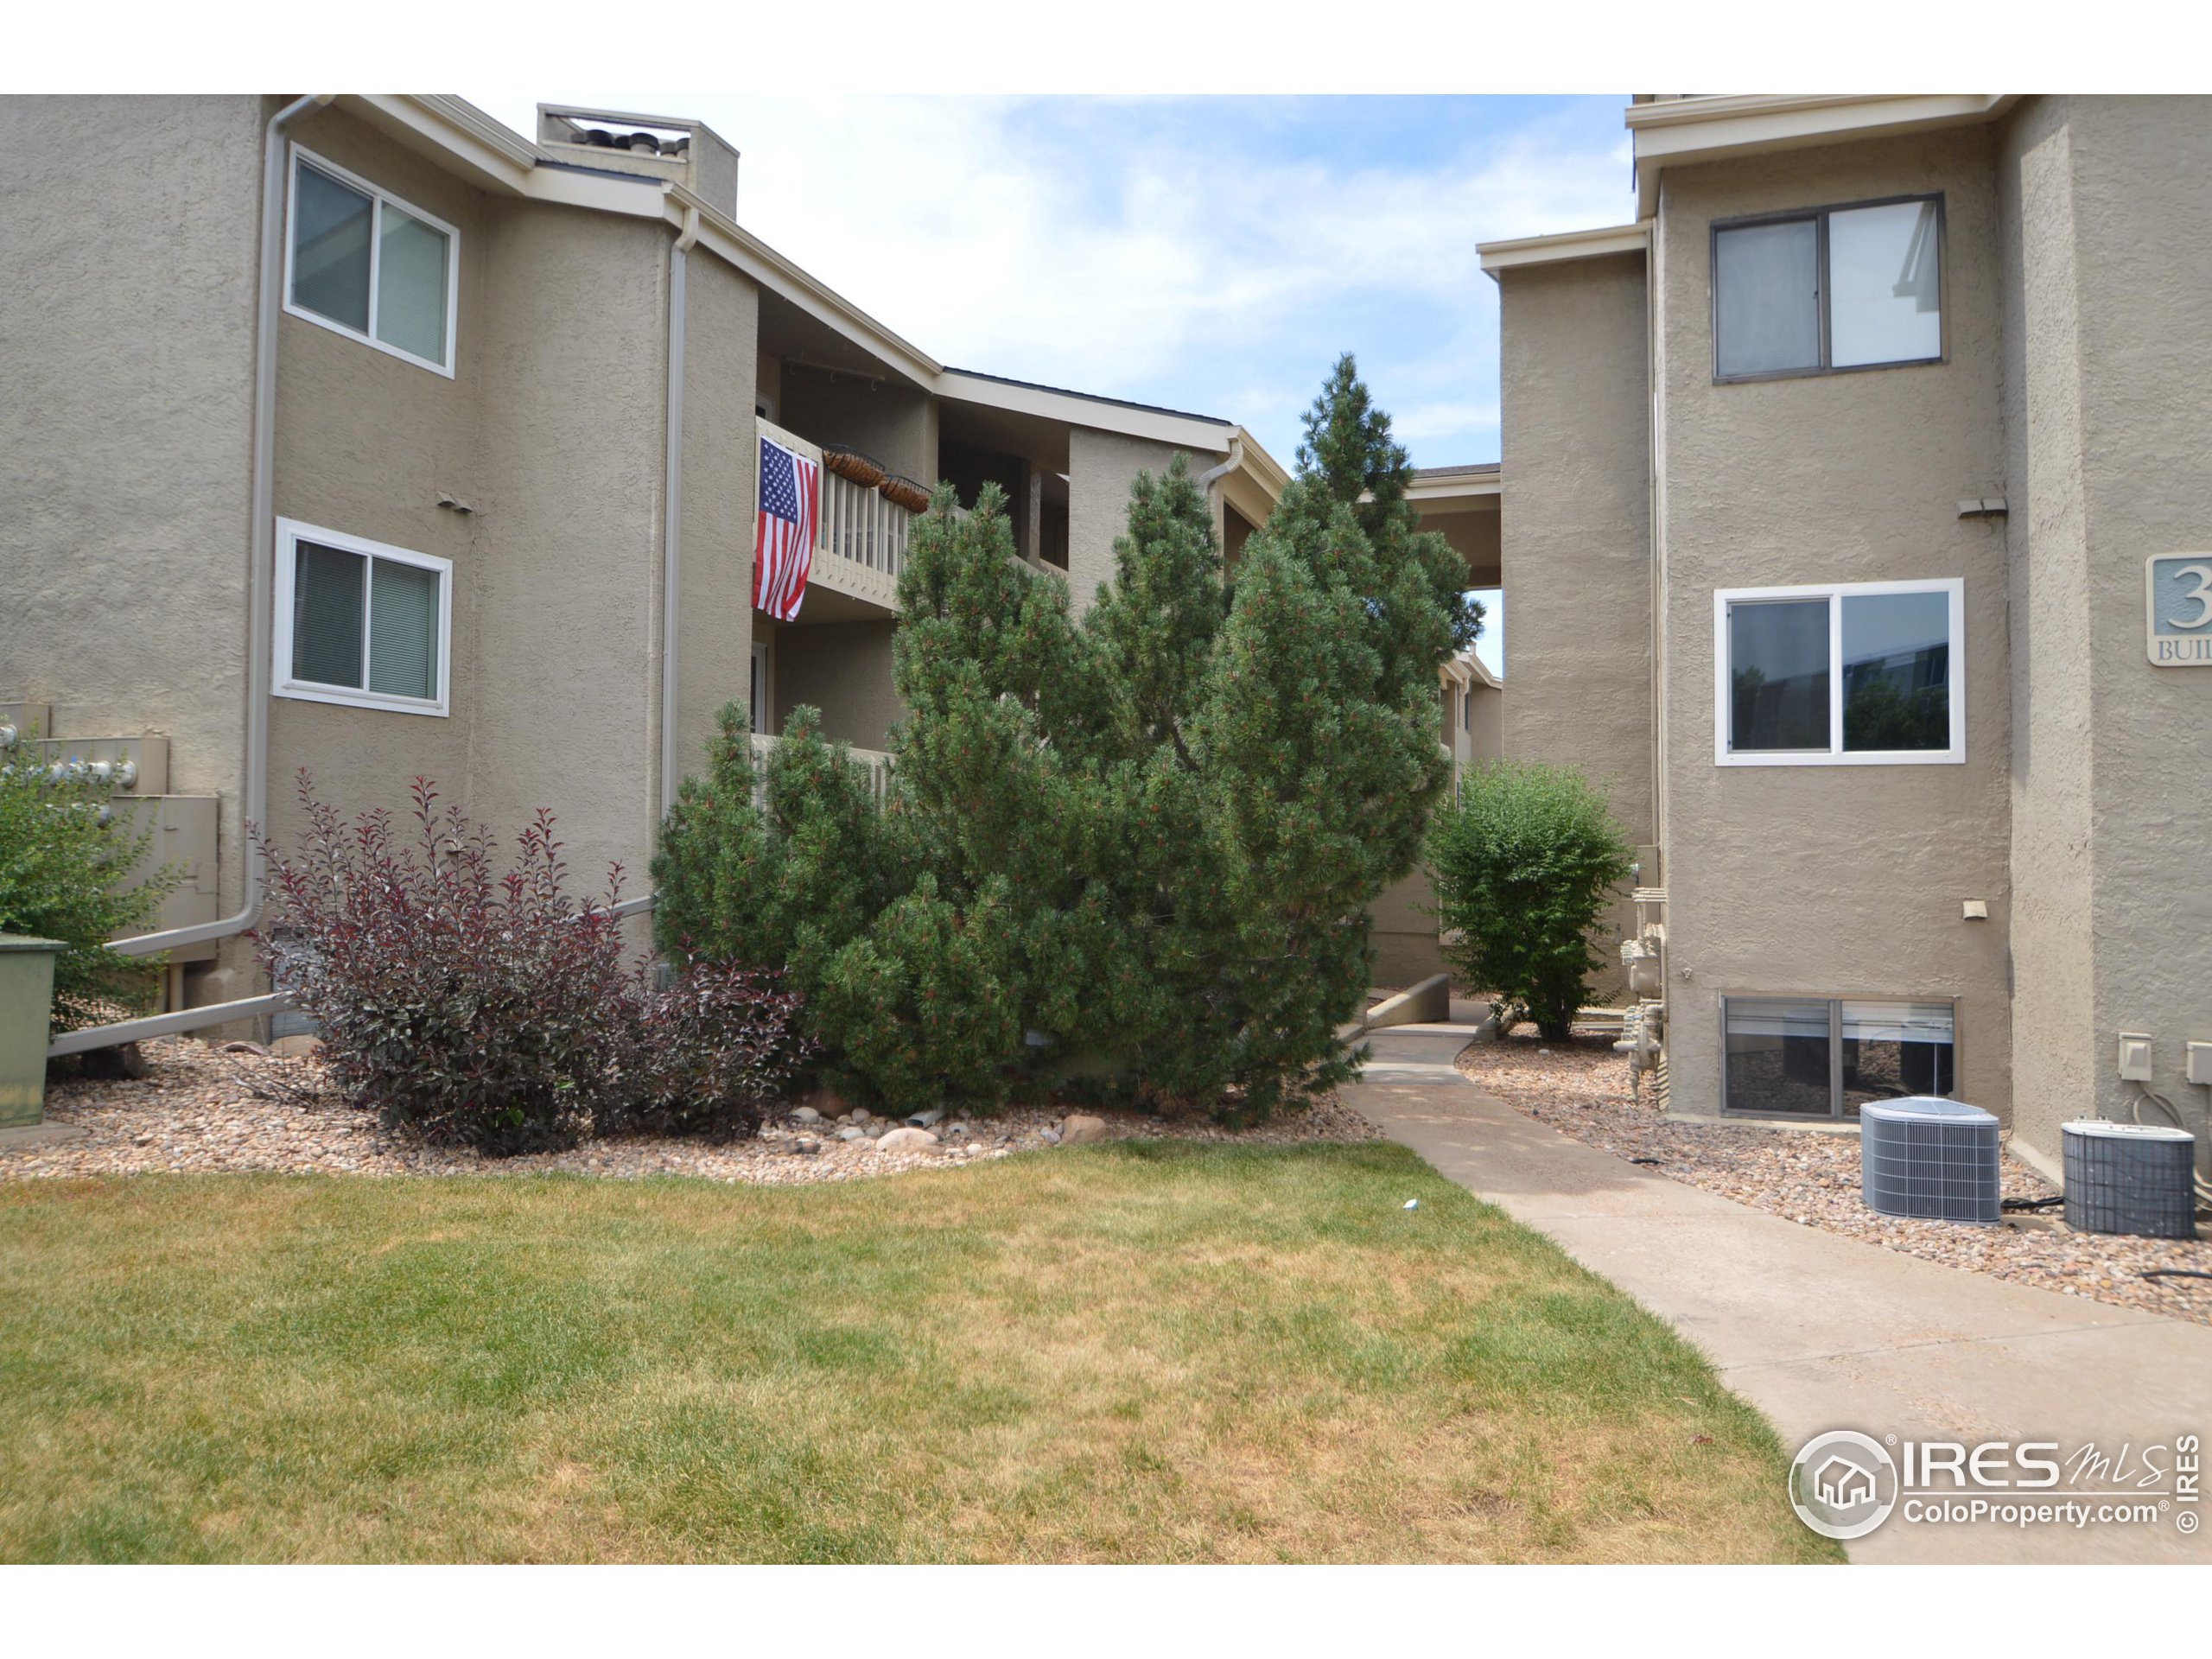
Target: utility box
[(183, 834), (26, 1009)]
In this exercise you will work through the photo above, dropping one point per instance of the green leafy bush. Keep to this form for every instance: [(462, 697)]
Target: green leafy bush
[(62, 857), (1525, 862), (1149, 837)]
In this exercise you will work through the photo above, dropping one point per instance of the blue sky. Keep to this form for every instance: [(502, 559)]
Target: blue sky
[(1210, 254)]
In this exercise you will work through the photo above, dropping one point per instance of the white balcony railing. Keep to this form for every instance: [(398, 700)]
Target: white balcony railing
[(863, 527), (862, 546), (877, 762)]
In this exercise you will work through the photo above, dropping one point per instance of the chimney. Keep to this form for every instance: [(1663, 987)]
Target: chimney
[(690, 153)]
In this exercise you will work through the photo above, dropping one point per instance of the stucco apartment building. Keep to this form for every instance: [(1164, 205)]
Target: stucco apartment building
[(1855, 536), (364, 433)]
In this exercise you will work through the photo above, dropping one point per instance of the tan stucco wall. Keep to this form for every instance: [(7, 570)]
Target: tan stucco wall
[(842, 669), (365, 443), (1831, 880), (714, 661), (2054, 1016), (1101, 468), (1401, 920), (1576, 538), (2113, 757), (552, 428), (1485, 740), (568, 532), (125, 435)]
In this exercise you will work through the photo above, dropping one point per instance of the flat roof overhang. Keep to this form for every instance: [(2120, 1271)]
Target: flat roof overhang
[(1465, 506)]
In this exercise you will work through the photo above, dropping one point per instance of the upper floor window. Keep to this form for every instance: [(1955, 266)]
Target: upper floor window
[(360, 622), (1836, 288), (1868, 673), (368, 265)]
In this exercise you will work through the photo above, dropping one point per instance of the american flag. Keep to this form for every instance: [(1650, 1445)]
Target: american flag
[(783, 541)]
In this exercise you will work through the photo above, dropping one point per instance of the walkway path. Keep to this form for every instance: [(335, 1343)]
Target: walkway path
[(1818, 1331)]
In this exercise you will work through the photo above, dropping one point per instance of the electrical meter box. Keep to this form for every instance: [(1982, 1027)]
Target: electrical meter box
[(2200, 1062), (143, 760)]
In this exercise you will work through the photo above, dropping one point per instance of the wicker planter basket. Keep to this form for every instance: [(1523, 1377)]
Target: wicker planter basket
[(850, 463), (905, 492)]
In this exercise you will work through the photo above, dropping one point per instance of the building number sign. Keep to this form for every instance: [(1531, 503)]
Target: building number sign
[(2178, 599)]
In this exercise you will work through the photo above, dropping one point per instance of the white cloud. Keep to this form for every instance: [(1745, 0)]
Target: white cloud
[(1115, 245)]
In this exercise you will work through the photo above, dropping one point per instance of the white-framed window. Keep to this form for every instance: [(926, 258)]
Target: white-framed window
[(361, 262), (360, 622), (1829, 289), (1850, 674)]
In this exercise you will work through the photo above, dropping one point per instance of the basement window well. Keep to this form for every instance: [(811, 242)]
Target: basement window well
[(1867, 673), (361, 623), (1826, 1057), (366, 265)]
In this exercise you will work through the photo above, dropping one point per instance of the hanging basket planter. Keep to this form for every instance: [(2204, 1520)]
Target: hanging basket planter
[(850, 463), (905, 492)]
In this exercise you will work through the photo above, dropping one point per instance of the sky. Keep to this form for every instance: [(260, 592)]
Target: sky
[(1212, 254)]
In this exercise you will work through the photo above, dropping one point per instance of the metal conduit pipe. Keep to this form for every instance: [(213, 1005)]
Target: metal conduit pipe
[(253, 806)]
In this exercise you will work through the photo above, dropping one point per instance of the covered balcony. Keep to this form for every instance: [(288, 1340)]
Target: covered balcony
[(862, 545)]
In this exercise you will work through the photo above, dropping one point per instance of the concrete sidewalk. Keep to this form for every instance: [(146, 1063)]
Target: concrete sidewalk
[(1822, 1332)]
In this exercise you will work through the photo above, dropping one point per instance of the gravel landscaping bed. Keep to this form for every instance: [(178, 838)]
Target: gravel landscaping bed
[(1582, 1088), (202, 1109)]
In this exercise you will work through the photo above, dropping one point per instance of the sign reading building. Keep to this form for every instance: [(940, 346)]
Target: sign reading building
[(2178, 601)]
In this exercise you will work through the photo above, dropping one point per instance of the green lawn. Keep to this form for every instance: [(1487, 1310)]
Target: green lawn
[(1148, 1352)]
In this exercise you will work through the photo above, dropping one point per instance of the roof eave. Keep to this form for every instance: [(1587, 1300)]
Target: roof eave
[(738, 247), (1712, 128), (1601, 243), (1190, 432)]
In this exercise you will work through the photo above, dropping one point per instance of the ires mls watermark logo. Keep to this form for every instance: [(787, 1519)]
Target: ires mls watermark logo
[(1843, 1484)]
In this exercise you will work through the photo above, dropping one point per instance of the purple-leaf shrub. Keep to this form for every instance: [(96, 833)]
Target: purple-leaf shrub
[(496, 1011), (710, 1054), (475, 1009)]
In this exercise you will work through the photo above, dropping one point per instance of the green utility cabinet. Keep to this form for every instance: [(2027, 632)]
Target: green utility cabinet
[(26, 1008)]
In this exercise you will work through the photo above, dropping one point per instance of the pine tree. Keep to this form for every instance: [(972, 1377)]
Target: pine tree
[(1305, 762), (1151, 836)]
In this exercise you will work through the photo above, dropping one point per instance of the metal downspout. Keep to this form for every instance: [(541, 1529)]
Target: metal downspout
[(254, 806), (672, 513), (1235, 459)]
